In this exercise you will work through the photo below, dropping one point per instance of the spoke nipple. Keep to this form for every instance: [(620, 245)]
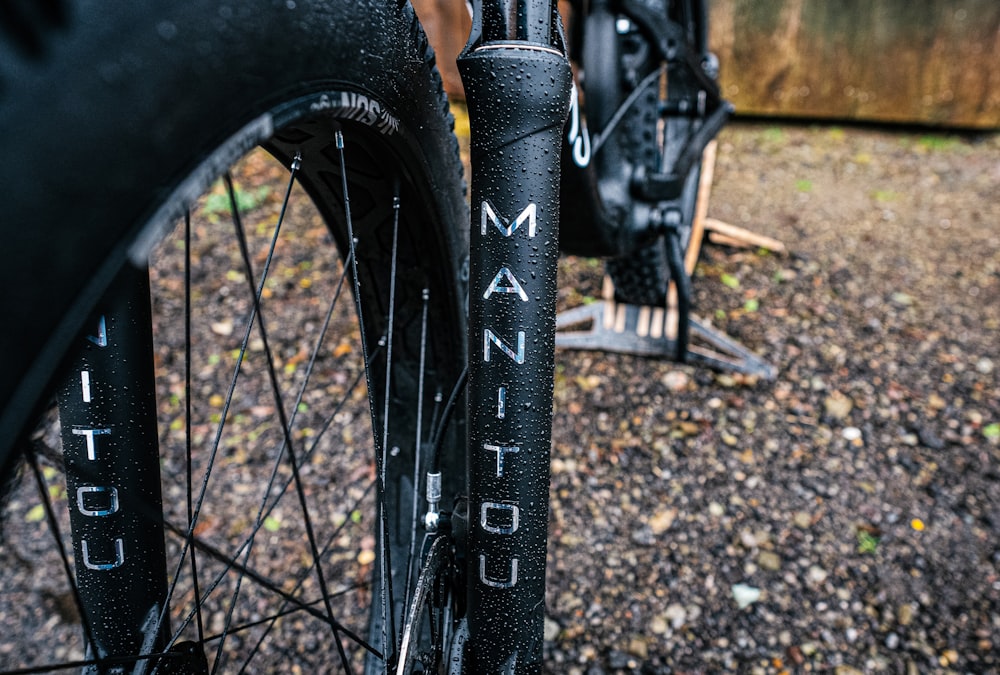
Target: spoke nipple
[(297, 161), (395, 203), (339, 136), (426, 294), (382, 341)]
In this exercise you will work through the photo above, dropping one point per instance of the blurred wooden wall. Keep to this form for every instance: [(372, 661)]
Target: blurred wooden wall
[(909, 61)]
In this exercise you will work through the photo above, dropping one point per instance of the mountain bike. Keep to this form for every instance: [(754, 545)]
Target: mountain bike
[(269, 402)]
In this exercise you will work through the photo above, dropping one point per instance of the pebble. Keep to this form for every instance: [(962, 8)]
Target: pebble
[(676, 615), (745, 595), (851, 433), (837, 405), (816, 574), (769, 561), (847, 670), (892, 641), (676, 381)]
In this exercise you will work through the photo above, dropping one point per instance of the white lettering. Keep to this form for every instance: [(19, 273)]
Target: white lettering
[(112, 498), (119, 557), (489, 215), (85, 385), (496, 507), (491, 337), (91, 445), (501, 450), (511, 580), (513, 287)]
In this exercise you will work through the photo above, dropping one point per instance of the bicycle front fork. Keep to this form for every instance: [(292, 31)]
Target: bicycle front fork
[(517, 83)]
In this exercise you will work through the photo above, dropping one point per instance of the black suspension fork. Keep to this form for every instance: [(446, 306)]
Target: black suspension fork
[(517, 82), (107, 410)]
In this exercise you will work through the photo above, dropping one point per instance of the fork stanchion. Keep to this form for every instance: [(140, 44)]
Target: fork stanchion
[(518, 96)]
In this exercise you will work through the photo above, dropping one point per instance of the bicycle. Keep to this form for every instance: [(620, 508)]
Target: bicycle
[(436, 534)]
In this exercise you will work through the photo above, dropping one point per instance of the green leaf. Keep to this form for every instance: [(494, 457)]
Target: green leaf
[(730, 281), (992, 430), (272, 524), (803, 185), (751, 305), (356, 516), (36, 514), (867, 542), (218, 203)]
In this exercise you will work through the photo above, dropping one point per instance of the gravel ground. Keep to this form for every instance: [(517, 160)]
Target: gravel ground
[(843, 518), (846, 516)]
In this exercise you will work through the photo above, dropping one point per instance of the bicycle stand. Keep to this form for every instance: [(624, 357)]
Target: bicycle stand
[(652, 331)]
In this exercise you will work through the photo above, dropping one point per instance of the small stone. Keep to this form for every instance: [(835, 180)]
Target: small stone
[(552, 629), (851, 433), (745, 595), (847, 670), (904, 615), (638, 647), (984, 366), (802, 520), (662, 521), (676, 381), (676, 615), (619, 660), (769, 560), (837, 405), (892, 641), (816, 574), (659, 625), (716, 509)]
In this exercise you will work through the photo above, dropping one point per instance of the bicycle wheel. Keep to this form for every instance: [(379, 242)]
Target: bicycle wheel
[(286, 531)]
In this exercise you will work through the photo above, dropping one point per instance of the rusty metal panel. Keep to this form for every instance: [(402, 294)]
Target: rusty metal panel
[(928, 62)]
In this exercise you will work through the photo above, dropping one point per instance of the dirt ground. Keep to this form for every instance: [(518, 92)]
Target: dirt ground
[(842, 518), (846, 516)]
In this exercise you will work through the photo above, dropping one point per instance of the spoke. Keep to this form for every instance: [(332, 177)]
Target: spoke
[(378, 440), (301, 579), (274, 587), (385, 562), (187, 417), (417, 443), (213, 454), (283, 419), (91, 663), (54, 529), (230, 561)]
